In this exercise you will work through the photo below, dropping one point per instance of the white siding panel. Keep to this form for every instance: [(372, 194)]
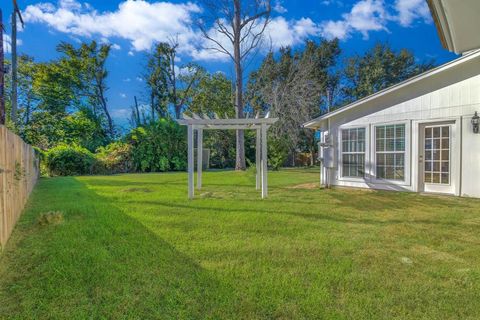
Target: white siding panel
[(452, 101)]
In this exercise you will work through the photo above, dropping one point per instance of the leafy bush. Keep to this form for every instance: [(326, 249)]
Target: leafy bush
[(116, 157), (277, 152), (159, 146), (179, 164), (69, 160)]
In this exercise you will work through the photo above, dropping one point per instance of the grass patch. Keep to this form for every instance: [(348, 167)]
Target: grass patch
[(301, 253)]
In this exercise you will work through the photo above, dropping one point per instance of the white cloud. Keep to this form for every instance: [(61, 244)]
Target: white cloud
[(123, 95), (121, 113), (279, 8), (127, 80), (144, 23), (7, 43), (140, 22), (364, 17), (139, 79), (411, 10), (280, 32)]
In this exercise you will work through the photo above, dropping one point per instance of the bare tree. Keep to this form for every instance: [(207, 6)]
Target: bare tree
[(235, 28)]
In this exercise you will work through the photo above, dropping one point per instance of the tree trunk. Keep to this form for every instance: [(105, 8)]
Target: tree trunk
[(240, 144), (103, 102), (152, 107)]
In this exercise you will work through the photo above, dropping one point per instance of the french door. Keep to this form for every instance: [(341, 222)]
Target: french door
[(436, 158)]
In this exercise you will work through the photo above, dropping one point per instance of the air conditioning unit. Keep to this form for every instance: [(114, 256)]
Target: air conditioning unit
[(326, 153)]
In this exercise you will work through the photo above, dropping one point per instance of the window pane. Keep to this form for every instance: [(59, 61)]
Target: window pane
[(428, 166), (400, 131), (445, 178), (380, 145), (399, 145), (428, 132), (436, 177), (428, 144), (445, 166), (436, 143), (399, 159), (390, 145), (399, 173), (436, 132), (380, 159), (445, 132), (389, 173), (380, 132), (445, 155), (428, 177), (445, 143), (390, 132)]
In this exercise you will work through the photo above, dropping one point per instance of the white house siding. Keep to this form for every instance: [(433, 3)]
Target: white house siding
[(453, 95)]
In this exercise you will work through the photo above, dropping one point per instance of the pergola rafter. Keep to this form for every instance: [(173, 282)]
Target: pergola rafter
[(204, 122)]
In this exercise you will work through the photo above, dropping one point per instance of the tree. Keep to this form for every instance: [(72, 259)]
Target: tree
[(241, 24), (379, 68), (293, 87), (168, 84), (213, 94), (86, 66)]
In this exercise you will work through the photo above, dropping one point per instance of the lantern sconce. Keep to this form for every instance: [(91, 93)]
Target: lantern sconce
[(475, 122)]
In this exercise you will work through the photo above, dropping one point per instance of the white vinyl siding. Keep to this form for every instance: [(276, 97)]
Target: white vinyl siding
[(390, 152), (353, 152)]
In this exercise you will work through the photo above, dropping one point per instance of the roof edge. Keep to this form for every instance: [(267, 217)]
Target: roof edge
[(419, 77)]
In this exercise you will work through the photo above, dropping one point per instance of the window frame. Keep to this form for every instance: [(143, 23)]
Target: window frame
[(366, 153), (407, 153)]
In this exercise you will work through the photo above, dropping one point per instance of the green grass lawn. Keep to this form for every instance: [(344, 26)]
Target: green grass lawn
[(132, 246)]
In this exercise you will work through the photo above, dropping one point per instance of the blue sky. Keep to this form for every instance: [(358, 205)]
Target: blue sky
[(133, 26)]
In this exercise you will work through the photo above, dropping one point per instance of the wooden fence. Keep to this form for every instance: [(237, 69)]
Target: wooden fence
[(19, 171)]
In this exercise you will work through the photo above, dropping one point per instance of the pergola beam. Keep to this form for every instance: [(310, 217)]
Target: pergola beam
[(203, 122)]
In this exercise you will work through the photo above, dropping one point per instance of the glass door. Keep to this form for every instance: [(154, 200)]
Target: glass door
[(437, 155)]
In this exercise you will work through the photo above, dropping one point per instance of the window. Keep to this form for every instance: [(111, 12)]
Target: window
[(353, 152), (390, 151)]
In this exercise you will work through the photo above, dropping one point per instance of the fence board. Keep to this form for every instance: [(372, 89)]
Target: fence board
[(19, 171)]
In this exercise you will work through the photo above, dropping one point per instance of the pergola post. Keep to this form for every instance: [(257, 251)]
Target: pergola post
[(199, 157), (264, 162), (190, 161), (258, 152)]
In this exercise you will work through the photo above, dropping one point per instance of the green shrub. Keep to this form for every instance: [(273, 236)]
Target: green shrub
[(116, 157), (69, 160), (179, 164), (277, 152), (159, 146)]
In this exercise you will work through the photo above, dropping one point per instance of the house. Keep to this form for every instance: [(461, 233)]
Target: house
[(420, 135)]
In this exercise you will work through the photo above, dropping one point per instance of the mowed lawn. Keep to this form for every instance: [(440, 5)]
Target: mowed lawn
[(133, 247)]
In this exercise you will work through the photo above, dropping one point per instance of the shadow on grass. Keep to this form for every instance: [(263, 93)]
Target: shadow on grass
[(101, 263), (316, 213)]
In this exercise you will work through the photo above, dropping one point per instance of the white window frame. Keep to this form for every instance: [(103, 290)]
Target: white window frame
[(340, 153), (407, 152)]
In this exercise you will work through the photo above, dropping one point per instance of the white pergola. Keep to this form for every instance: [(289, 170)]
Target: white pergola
[(200, 123)]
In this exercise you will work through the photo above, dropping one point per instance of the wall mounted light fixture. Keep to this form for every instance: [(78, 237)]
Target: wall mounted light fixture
[(475, 122)]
